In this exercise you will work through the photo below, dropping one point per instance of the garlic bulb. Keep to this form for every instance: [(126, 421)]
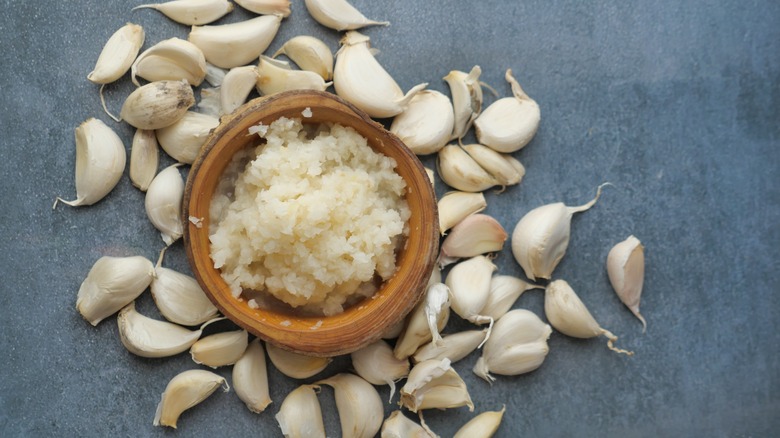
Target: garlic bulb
[(180, 298), (508, 124), (376, 363), (157, 104), (483, 425), (626, 270), (475, 235), (339, 15), (469, 283), (183, 139), (466, 99), (266, 7), (300, 415), (100, 161), (236, 44), (359, 406), (297, 366), (503, 167), (540, 238), (518, 345), (419, 328), (434, 384), (236, 86), (163, 203), (275, 76), (250, 378), (453, 347), (456, 205), (173, 60), (191, 12), (118, 54), (504, 291), (220, 349), (568, 315), (397, 425), (460, 171), (184, 391), (426, 124), (111, 284), (310, 54), (362, 81), (144, 158)]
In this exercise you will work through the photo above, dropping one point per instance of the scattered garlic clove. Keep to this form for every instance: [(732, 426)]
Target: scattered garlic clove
[(376, 363), (250, 378), (183, 139), (456, 205), (504, 168), (626, 270), (540, 238), (426, 124), (191, 12), (504, 291), (266, 7), (518, 345), (436, 300), (300, 415), (361, 80), (483, 425), (275, 76), (453, 347), (170, 60), (163, 203), (180, 298), (418, 330), (220, 349), (214, 74), (184, 391), (157, 104), (466, 99), (236, 44), (359, 406), (111, 284), (434, 384), (211, 101), (144, 158), (469, 283), (339, 15), (397, 425), (475, 235), (297, 366), (508, 124), (310, 54), (236, 86), (567, 313), (460, 171), (100, 162), (118, 54)]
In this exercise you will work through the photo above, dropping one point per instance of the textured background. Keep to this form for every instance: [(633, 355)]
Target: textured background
[(675, 103)]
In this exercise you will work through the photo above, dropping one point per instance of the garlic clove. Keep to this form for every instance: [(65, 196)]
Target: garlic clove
[(475, 235), (236, 86), (460, 171), (180, 298), (466, 99), (434, 384), (184, 391), (184, 139), (220, 349), (211, 101), (508, 124), (436, 300), (310, 54), (236, 44), (191, 12), (504, 291), (118, 54), (300, 415), (418, 330), (359, 406), (453, 347), (456, 205), (273, 78), (173, 60), (483, 425), (339, 15), (504, 168), (568, 314), (111, 284), (626, 270), (426, 124), (144, 158), (163, 203), (250, 378), (397, 425), (157, 104), (266, 7), (377, 365), (214, 74), (361, 80), (297, 366), (469, 283)]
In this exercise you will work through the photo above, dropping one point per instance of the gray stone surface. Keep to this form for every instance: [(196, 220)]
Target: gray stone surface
[(677, 104)]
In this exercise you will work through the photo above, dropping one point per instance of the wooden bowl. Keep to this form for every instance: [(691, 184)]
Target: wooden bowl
[(360, 324)]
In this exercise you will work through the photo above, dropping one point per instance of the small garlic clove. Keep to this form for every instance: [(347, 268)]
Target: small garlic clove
[(456, 205), (568, 314), (184, 139), (297, 366), (397, 425), (453, 347), (475, 235), (426, 124), (483, 425), (157, 104), (504, 168), (626, 270), (361, 80), (236, 86), (508, 124), (111, 284), (436, 300), (118, 54), (466, 99), (144, 158), (236, 44), (250, 378), (170, 60), (459, 170), (310, 54), (339, 15), (275, 76), (191, 12), (180, 298), (376, 363), (418, 329), (300, 415), (469, 283), (163, 203), (359, 406), (434, 384), (220, 349), (266, 7), (184, 391), (504, 291)]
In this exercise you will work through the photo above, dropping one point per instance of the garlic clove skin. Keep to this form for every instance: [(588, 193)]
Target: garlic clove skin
[(377, 365), (418, 329), (163, 203), (184, 391), (144, 158), (236, 86), (157, 104), (266, 7), (483, 425), (426, 124), (626, 270), (273, 78), (184, 139), (455, 206), (397, 425), (191, 12), (460, 171), (172, 60), (310, 54), (508, 124), (504, 168), (300, 415), (250, 378), (180, 298), (436, 300), (359, 406), (504, 291), (118, 54), (220, 349), (297, 366), (339, 15), (453, 347), (236, 44), (361, 80), (211, 101), (111, 284), (469, 284), (466, 99), (434, 384), (475, 235)]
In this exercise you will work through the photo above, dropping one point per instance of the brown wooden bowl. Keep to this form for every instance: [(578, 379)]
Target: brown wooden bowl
[(359, 324)]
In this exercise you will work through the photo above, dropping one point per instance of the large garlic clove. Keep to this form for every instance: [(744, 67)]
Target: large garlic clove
[(339, 15), (426, 123), (397, 425), (191, 12), (469, 283), (453, 347), (147, 337), (360, 79), (236, 86), (118, 54), (376, 363), (508, 124), (540, 238), (250, 378), (504, 168), (184, 391), (100, 162), (157, 104), (144, 158), (456, 205), (626, 270), (163, 203), (220, 349), (567, 313), (275, 76), (504, 291), (180, 298), (183, 139), (111, 284), (359, 406), (460, 171), (475, 235), (466, 99), (236, 44), (172, 60), (310, 54), (300, 415), (419, 328), (297, 366), (266, 7), (483, 425), (434, 384)]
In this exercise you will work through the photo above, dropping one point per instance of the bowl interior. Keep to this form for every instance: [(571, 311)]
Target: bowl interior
[(359, 324)]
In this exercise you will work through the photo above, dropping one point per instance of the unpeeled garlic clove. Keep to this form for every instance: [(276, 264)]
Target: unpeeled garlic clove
[(183, 139), (236, 86), (460, 171), (300, 415), (163, 203), (540, 238), (236, 44), (376, 363), (453, 347), (469, 283), (220, 349), (118, 54), (466, 99), (483, 425), (508, 124), (434, 384), (418, 330), (456, 205), (297, 366), (359, 406), (191, 12), (250, 378), (184, 391), (310, 54), (504, 291), (426, 124), (275, 76), (266, 7), (339, 15), (157, 104), (504, 168), (361, 80), (397, 425), (170, 60), (180, 298), (626, 270), (475, 235), (144, 158), (111, 284), (567, 313)]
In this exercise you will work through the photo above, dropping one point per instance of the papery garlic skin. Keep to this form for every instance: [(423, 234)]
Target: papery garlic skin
[(483, 425), (157, 104), (460, 171), (144, 158), (236, 86), (418, 330), (339, 15), (266, 7), (397, 425), (297, 366), (191, 12), (434, 384), (275, 76), (163, 203), (236, 44), (118, 54), (475, 235), (220, 349), (359, 406), (466, 99), (310, 54), (377, 365), (504, 291), (300, 415), (184, 391), (180, 298), (211, 101), (508, 124), (504, 168), (184, 139), (147, 337), (469, 283), (111, 284), (426, 124), (215, 75), (250, 378), (455, 206), (172, 60), (626, 270), (454, 347)]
